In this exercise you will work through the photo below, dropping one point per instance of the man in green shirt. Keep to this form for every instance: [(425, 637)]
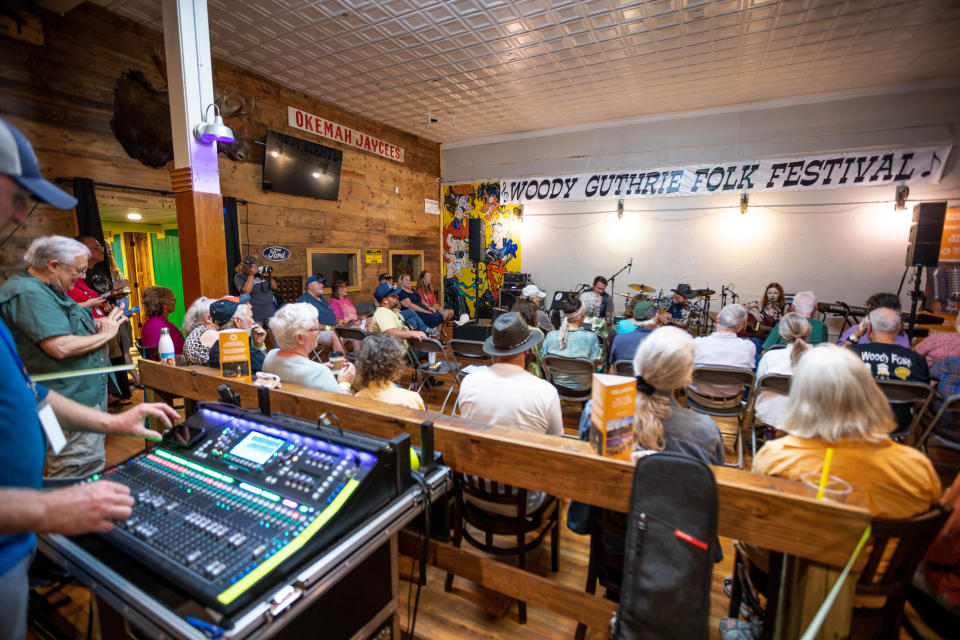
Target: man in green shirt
[(804, 303), (54, 334)]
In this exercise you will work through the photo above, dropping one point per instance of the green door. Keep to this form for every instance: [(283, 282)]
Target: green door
[(166, 270)]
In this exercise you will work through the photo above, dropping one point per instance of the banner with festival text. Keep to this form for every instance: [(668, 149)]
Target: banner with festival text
[(826, 171)]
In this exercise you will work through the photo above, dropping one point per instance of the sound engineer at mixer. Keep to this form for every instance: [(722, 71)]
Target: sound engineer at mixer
[(28, 412)]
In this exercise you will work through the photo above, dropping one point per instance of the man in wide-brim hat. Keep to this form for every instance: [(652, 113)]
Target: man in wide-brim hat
[(505, 393), (676, 310)]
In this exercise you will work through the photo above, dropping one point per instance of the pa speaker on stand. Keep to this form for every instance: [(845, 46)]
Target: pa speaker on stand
[(923, 249)]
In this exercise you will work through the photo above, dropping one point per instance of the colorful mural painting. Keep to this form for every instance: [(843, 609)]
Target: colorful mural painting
[(501, 237)]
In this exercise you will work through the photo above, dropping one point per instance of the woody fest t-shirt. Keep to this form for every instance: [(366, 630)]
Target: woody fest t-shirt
[(896, 363)]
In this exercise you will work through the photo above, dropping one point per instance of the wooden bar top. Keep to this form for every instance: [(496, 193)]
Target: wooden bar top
[(767, 511)]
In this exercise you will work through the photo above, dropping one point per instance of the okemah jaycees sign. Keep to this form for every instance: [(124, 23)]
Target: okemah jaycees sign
[(827, 171), (351, 137)]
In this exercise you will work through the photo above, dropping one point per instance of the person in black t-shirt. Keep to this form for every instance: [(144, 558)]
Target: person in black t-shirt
[(887, 359)]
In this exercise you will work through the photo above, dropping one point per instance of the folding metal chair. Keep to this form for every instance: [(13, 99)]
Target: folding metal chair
[(442, 365), (464, 352), (950, 404), (773, 383), (623, 368), (732, 407), (354, 335), (903, 393), (553, 365)]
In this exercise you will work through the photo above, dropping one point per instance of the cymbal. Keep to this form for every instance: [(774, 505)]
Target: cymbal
[(625, 295), (642, 288), (703, 293)]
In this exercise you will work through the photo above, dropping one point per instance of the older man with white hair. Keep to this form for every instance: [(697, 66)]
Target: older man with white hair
[(886, 358), (53, 334), (724, 348), (804, 303), (296, 328)]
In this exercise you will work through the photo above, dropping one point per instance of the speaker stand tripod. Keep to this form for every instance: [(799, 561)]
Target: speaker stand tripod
[(917, 297)]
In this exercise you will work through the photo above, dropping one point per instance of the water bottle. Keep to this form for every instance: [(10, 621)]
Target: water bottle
[(165, 347)]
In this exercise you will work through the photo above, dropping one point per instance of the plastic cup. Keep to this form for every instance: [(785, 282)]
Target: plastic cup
[(837, 489)]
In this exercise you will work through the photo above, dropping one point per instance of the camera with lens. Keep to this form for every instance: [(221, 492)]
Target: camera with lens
[(262, 269)]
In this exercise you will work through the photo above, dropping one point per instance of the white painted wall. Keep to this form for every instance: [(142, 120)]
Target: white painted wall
[(844, 244)]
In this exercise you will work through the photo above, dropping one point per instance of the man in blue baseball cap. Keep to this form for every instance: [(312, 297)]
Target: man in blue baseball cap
[(24, 509), (387, 319), (325, 316)]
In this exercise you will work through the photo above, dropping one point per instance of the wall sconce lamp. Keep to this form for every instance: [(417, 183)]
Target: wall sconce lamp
[(210, 132), (744, 203), (519, 211), (900, 199), (619, 209)]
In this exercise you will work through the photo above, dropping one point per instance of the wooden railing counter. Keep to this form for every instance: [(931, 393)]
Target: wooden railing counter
[(769, 512)]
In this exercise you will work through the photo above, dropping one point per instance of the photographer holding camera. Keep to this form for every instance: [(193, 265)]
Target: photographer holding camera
[(258, 282)]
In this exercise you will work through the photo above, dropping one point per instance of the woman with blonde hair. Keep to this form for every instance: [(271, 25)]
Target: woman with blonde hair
[(835, 402), (571, 340), (201, 331), (664, 363), (794, 328)]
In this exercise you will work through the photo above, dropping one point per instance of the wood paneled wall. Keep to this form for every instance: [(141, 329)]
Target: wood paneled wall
[(61, 96)]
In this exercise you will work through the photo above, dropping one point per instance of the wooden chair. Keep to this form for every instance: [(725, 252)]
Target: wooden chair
[(623, 368), (553, 365), (542, 520), (606, 560), (464, 352), (773, 383), (916, 395), (896, 549), (733, 407)]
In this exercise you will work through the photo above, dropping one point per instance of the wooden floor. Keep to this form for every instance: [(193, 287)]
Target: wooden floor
[(468, 611)]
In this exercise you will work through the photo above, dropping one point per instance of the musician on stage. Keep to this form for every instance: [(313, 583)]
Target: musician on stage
[(598, 296), (769, 310), (675, 311)]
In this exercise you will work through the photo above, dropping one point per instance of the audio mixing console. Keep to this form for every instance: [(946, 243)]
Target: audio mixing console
[(233, 506)]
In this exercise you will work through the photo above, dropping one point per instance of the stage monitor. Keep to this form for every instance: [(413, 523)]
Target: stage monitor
[(300, 167)]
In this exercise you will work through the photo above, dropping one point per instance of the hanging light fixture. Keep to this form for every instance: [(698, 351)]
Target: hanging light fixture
[(210, 132), (900, 197), (620, 209), (744, 203)]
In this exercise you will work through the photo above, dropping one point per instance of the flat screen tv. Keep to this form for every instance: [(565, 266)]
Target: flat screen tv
[(300, 167)]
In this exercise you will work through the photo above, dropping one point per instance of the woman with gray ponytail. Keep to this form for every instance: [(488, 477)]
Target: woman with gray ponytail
[(664, 363), (794, 328), (573, 341)]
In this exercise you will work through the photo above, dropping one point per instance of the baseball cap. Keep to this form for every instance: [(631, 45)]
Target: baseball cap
[(532, 291), (384, 290), (319, 279), (18, 161), (226, 307), (644, 310)]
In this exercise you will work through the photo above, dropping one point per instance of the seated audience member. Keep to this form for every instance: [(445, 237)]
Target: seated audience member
[(158, 303), (378, 367), (940, 344), (55, 335), (723, 348), (598, 298), (834, 402), (387, 319), (887, 359), (593, 321), (675, 311), (571, 340), (534, 294), (325, 315), (804, 303), (410, 299), (793, 328), (627, 324), (295, 327), (201, 332), (878, 301), (642, 324), (343, 309), (528, 311), (233, 312), (428, 294), (410, 317), (943, 444)]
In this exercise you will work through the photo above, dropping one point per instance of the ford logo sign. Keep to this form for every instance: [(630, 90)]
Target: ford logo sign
[(277, 254)]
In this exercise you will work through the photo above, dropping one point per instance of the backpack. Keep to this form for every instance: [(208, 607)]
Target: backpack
[(670, 549)]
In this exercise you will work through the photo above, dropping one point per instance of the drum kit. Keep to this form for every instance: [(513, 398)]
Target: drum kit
[(700, 320)]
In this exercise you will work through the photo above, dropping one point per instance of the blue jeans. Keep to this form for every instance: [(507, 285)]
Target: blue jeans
[(412, 320)]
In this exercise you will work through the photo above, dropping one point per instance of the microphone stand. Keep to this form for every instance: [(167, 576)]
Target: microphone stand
[(612, 280)]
